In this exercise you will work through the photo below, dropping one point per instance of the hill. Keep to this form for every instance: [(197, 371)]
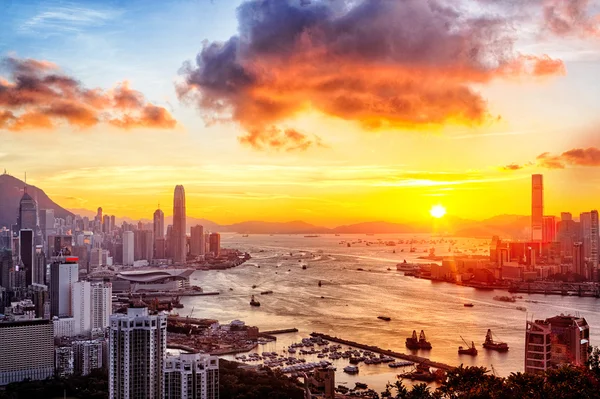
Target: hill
[(11, 191)]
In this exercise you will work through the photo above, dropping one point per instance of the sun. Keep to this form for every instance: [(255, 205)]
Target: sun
[(437, 211)]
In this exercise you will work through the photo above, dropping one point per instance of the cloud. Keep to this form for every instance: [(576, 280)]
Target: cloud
[(512, 167), (384, 64), (280, 139), (576, 157), (568, 17), (67, 19), (36, 95)]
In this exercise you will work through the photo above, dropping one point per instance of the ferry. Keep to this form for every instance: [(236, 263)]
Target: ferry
[(494, 345), (407, 267)]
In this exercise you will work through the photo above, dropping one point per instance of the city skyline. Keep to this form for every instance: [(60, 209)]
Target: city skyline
[(313, 157)]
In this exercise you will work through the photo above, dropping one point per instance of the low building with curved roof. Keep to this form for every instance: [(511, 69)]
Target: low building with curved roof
[(152, 280)]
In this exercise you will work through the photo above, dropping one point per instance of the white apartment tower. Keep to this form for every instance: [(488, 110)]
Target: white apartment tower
[(137, 348), (101, 306), (128, 248), (62, 276), (81, 304), (192, 376)]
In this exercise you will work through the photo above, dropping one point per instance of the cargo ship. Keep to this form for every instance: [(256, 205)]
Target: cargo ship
[(494, 345), (407, 267), (418, 343)]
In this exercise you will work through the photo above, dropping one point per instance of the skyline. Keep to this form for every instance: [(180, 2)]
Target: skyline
[(527, 108)]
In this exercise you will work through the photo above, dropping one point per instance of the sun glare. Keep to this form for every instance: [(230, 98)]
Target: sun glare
[(437, 211)]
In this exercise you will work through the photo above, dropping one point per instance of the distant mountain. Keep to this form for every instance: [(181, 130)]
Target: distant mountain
[(515, 226), (374, 228), (11, 191), (255, 227)]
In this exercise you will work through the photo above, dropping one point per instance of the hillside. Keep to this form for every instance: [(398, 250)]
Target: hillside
[(11, 191)]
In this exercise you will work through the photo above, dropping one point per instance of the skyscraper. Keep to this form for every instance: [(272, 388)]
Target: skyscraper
[(197, 240), (594, 244), (63, 274), (179, 227), (101, 305), (549, 232), (128, 248), (144, 245), (28, 212), (159, 224), (81, 304), (537, 207), (137, 348), (27, 254), (191, 376), (215, 243)]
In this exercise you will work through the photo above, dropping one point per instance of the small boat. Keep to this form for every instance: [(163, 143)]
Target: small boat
[(320, 283), (384, 318), (266, 292), (254, 286), (351, 369), (360, 385), (303, 267), (254, 302), (524, 309), (470, 350), (468, 305), (494, 345)]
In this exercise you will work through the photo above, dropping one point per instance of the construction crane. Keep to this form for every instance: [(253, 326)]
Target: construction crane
[(191, 312)]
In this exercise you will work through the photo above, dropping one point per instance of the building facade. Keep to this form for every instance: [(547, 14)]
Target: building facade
[(537, 207), (179, 226), (63, 274), (137, 348), (128, 248), (88, 355), (26, 351), (191, 376), (197, 245), (214, 243)]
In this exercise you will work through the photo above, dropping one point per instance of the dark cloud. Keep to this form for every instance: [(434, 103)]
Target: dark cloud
[(382, 63), (36, 95), (566, 17)]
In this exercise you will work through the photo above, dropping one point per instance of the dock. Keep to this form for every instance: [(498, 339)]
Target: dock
[(285, 331), (387, 352)]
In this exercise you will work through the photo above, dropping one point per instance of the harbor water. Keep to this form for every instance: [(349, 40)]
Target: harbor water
[(349, 300)]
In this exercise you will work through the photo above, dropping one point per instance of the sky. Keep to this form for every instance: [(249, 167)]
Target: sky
[(327, 111)]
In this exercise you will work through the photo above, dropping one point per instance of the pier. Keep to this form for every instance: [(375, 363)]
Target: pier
[(387, 352), (285, 331), (556, 288)]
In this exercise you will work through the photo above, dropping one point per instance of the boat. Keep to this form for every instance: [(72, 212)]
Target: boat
[(523, 308), (494, 345), (504, 298), (360, 269), (254, 286), (312, 236), (360, 385), (418, 343), (400, 364), (407, 267), (303, 267), (470, 350), (468, 305), (385, 318), (351, 369), (421, 373), (245, 235), (254, 302), (320, 283), (266, 292)]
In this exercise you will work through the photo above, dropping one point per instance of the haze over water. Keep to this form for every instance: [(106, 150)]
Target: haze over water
[(353, 299)]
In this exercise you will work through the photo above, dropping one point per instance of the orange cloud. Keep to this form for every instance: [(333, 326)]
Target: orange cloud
[(383, 64), (35, 95), (274, 138), (565, 17), (576, 157)]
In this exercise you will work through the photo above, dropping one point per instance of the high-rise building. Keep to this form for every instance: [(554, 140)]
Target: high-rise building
[(63, 360), (197, 241), (28, 216), (143, 245), (137, 348), (191, 376), (39, 266), (537, 207), (26, 351), (113, 221), (585, 224), (159, 224), (101, 306), (81, 297), (160, 247), (27, 253), (594, 244), (579, 260), (556, 341), (88, 355), (99, 215), (106, 226), (128, 248), (63, 274), (549, 232), (215, 243), (47, 221), (179, 226)]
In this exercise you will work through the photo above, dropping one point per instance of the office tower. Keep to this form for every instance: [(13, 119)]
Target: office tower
[(556, 341), (197, 240), (215, 243), (47, 221), (537, 207), (27, 213), (99, 214), (63, 274), (169, 242), (159, 224), (88, 355), (549, 232), (565, 216), (585, 224), (6, 263), (106, 226), (40, 299), (113, 221), (143, 245), (60, 245), (101, 305), (568, 233), (128, 248), (26, 351), (579, 260), (39, 266), (27, 253), (594, 244), (96, 258), (63, 361), (191, 376), (179, 226), (81, 297), (160, 247), (137, 347)]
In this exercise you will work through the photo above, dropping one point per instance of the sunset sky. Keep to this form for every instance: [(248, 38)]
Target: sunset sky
[(327, 111)]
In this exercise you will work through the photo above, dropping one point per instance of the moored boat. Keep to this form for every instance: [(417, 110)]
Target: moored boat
[(470, 350), (494, 345), (254, 302), (385, 318)]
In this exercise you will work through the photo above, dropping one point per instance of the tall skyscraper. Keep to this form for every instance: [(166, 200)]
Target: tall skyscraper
[(579, 260), (144, 245), (594, 244), (28, 216), (81, 297), (179, 226), (63, 274), (159, 224), (192, 376), (215, 243), (549, 232), (26, 351), (27, 254), (197, 240), (137, 348), (128, 248), (101, 305), (537, 207)]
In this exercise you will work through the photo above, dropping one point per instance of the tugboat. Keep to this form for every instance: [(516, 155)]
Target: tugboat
[(384, 318), (469, 350), (319, 283), (254, 302), (494, 345), (418, 343), (468, 305)]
